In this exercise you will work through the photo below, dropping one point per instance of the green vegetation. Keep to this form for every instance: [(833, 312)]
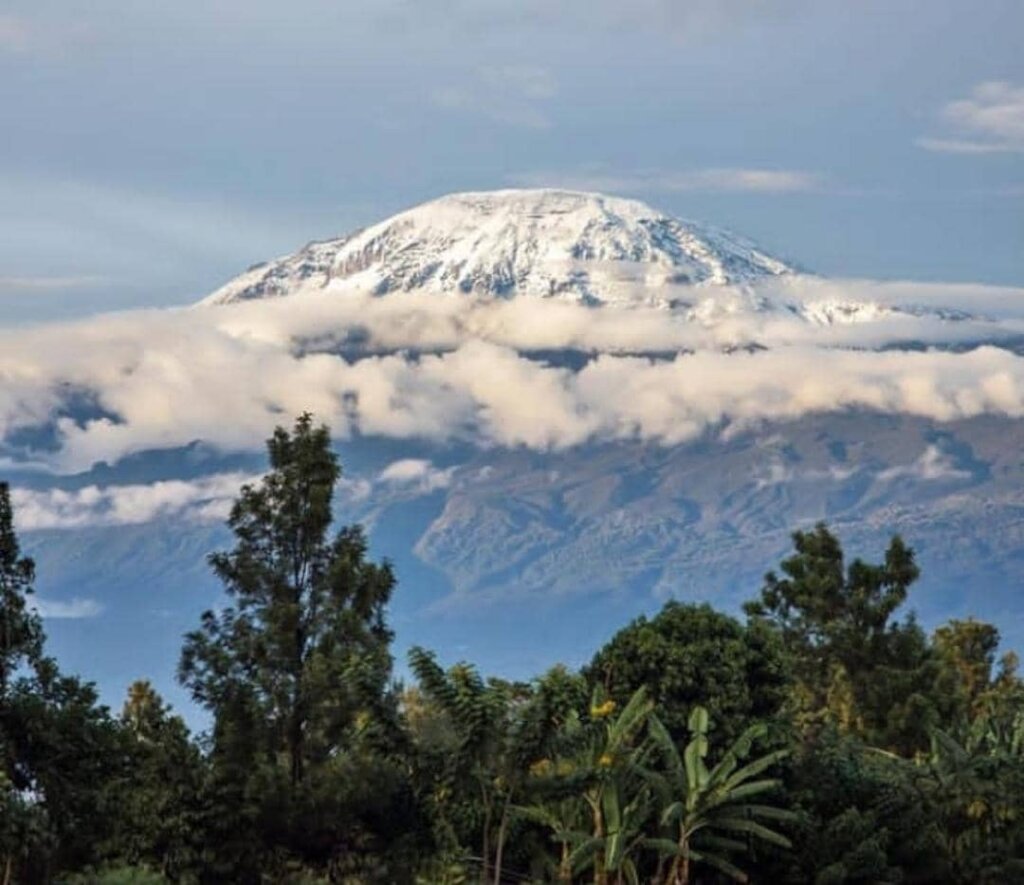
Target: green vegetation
[(827, 739)]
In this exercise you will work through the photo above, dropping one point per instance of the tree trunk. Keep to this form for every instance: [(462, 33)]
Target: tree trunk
[(600, 873), (564, 868), (295, 726), (499, 849), (485, 854), (659, 873), (295, 747), (8, 869)]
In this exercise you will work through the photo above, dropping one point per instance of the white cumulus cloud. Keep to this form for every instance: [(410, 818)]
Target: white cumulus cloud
[(417, 473)]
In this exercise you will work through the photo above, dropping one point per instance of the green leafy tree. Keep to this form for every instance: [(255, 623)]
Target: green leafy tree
[(976, 683), (297, 672), (860, 818), (479, 743), (21, 630), (21, 645), (155, 805), (58, 746), (69, 749), (969, 647), (976, 791), (564, 817), (617, 795), (852, 662), (474, 785), (689, 655)]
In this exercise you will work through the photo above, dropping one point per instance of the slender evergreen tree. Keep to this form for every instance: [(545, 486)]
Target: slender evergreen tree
[(297, 672), (305, 643)]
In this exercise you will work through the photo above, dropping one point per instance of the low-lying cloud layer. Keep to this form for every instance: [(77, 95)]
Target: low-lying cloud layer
[(203, 499), (449, 368), (207, 499)]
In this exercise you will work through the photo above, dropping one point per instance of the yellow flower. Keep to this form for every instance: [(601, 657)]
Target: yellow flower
[(605, 709), (977, 809), (605, 761), (541, 766)]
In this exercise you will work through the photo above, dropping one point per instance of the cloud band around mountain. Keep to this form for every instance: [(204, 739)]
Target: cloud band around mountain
[(447, 369)]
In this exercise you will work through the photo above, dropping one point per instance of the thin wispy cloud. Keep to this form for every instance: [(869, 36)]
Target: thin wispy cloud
[(29, 36), (933, 465), (15, 34), (989, 121), (70, 609), (126, 228), (512, 95), (38, 284), (714, 180), (200, 500)]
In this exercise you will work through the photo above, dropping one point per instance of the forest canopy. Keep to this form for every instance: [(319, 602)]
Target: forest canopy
[(823, 737)]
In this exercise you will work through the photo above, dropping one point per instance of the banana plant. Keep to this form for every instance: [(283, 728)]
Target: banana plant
[(617, 795), (592, 795), (565, 817), (708, 812), (975, 789)]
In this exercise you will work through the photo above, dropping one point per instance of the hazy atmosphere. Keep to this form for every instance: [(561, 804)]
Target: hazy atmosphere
[(504, 441)]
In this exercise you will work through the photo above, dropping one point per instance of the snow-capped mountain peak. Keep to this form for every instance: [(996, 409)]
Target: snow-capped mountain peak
[(546, 243), (563, 245)]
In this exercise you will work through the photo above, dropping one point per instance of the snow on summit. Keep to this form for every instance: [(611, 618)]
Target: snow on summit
[(575, 246), (580, 248)]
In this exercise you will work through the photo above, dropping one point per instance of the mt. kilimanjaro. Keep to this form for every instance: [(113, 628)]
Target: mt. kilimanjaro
[(556, 402), (707, 517)]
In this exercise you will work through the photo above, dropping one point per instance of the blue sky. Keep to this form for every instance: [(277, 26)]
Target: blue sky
[(151, 151)]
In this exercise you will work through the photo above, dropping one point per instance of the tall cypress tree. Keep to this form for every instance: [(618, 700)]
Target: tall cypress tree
[(305, 643), (297, 670)]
